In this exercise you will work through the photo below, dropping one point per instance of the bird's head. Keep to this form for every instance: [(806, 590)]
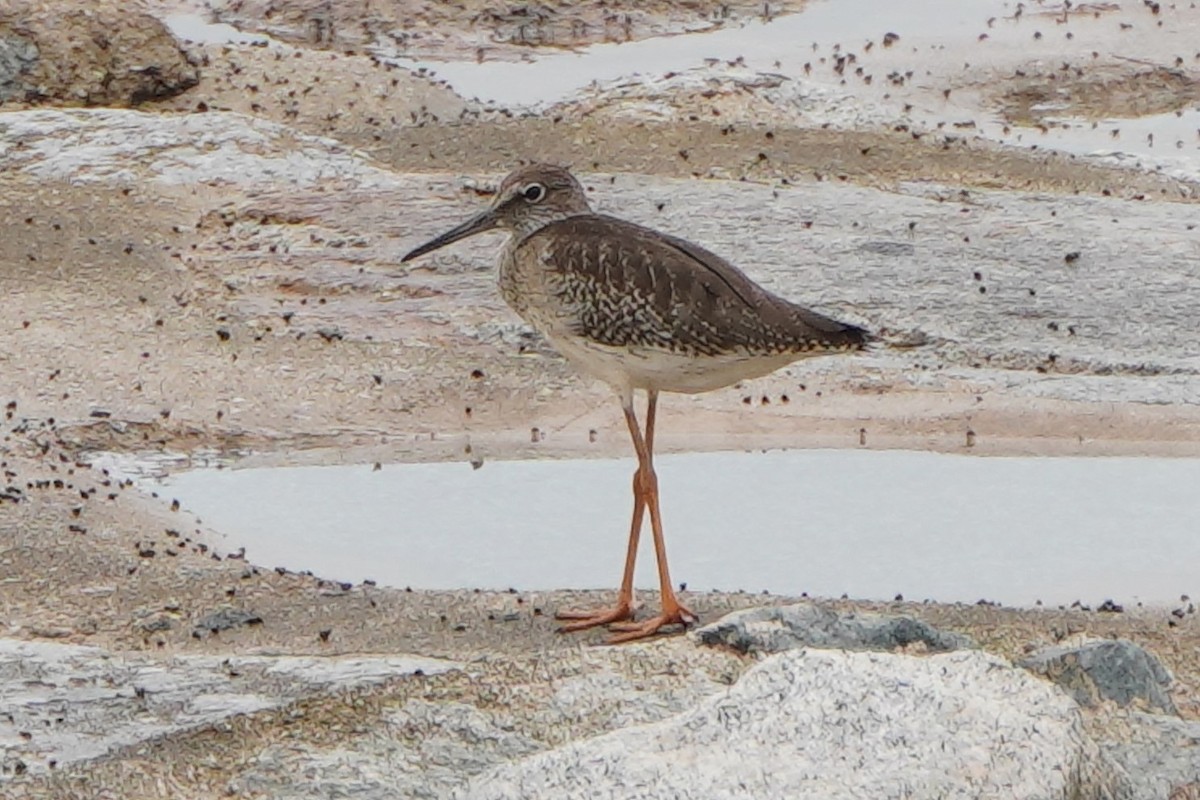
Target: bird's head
[(529, 198)]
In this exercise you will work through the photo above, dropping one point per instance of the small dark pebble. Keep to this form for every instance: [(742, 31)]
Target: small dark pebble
[(330, 334)]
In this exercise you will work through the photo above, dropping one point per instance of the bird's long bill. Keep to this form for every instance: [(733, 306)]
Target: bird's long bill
[(483, 221)]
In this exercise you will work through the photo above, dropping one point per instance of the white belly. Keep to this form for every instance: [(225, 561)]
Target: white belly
[(661, 370)]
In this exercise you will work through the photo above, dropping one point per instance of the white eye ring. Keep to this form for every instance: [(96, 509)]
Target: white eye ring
[(534, 192)]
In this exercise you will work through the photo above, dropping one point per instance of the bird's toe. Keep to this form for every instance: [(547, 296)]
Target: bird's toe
[(584, 619)]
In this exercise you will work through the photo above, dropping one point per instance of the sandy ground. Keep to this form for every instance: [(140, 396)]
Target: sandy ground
[(142, 319)]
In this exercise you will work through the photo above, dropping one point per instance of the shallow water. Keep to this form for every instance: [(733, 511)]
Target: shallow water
[(789, 40), (938, 47), (194, 28), (868, 523), (1168, 141)]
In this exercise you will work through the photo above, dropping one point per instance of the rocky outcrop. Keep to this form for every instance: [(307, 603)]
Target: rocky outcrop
[(773, 629), (664, 719), (63, 704), (91, 54), (1116, 670), (809, 724)]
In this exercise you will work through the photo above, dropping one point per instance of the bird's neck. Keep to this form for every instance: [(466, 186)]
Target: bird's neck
[(530, 224)]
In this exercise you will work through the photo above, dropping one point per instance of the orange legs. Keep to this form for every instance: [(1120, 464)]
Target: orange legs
[(645, 495), (623, 610)]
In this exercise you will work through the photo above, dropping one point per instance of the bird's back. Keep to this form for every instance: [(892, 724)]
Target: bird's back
[(621, 285)]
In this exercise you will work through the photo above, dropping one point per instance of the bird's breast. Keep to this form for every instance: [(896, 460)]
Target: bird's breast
[(535, 290)]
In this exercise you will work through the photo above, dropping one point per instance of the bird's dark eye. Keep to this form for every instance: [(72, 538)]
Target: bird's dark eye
[(534, 192)]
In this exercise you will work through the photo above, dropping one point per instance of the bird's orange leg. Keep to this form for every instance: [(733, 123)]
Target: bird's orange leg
[(673, 612), (623, 610)]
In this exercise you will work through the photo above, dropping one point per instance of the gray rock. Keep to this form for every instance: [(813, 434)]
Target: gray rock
[(17, 55), (79, 703), (888, 248), (225, 618), (1116, 670), (156, 623), (1160, 754), (772, 629), (822, 724)]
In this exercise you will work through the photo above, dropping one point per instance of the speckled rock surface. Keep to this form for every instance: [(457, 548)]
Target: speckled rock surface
[(818, 724), (777, 628)]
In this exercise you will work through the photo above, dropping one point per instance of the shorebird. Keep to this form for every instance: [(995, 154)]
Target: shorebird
[(638, 309)]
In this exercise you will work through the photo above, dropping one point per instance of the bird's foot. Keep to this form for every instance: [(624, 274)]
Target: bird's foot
[(582, 620), (672, 614)]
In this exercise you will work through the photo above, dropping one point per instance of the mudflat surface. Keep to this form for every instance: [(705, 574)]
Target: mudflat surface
[(214, 278)]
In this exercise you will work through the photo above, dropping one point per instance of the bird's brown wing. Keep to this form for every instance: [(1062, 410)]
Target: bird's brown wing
[(629, 285)]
